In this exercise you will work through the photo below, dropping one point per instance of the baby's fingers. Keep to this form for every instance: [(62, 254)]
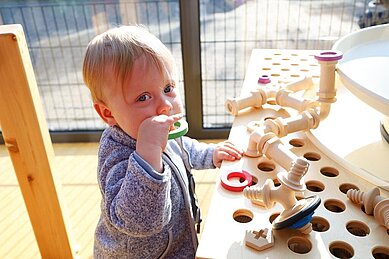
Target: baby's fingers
[(176, 117), (173, 119), (231, 149), (228, 153), (165, 119), (223, 155), (230, 156)]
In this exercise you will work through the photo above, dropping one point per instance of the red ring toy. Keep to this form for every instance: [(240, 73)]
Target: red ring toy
[(235, 186)]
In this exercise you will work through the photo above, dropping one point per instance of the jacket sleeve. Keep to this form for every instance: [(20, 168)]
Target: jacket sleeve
[(199, 153), (136, 200)]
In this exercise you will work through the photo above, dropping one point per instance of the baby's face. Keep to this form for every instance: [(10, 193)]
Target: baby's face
[(146, 93)]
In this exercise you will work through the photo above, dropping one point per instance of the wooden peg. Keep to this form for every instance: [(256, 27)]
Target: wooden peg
[(374, 204), (256, 98), (327, 61), (297, 213)]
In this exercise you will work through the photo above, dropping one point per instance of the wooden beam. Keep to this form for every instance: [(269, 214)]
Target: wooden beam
[(28, 142)]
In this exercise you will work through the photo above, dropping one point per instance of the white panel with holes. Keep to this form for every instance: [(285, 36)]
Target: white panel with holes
[(341, 229)]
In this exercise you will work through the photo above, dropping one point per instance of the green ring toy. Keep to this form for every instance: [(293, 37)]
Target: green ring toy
[(181, 129)]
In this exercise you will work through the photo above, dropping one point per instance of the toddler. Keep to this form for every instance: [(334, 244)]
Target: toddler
[(148, 207)]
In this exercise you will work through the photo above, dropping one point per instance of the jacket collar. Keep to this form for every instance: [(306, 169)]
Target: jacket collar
[(120, 136)]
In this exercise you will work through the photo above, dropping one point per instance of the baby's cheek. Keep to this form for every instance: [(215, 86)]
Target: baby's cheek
[(178, 106)]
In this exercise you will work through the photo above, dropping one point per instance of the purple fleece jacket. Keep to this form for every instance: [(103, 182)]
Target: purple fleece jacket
[(145, 214)]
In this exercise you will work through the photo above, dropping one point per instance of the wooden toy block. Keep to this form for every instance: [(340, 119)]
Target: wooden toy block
[(259, 240)]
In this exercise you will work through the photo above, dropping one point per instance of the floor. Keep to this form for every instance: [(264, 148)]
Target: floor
[(75, 165)]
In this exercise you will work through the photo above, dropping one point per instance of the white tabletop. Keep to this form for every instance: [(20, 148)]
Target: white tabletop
[(364, 69)]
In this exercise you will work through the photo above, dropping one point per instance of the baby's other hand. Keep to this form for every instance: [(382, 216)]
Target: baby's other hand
[(226, 150)]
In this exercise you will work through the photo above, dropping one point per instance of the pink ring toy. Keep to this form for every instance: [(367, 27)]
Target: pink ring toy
[(235, 186), (329, 55), (264, 79)]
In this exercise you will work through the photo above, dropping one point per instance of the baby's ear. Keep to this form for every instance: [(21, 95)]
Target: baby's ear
[(104, 113)]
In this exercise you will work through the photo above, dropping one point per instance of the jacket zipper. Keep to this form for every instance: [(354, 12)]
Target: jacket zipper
[(169, 243), (181, 181)]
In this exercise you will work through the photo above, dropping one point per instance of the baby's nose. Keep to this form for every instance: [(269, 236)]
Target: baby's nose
[(165, 107)]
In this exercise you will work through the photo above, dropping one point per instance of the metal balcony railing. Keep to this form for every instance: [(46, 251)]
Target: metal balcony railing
[(210, 39)]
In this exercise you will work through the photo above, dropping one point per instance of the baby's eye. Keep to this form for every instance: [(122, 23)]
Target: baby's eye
[(143, 97), (168, 89)]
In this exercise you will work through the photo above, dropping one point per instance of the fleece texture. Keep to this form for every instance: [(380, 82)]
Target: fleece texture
[(145, 214)]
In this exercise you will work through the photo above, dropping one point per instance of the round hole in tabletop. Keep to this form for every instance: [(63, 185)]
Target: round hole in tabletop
[(276, 182), (315, 186), (320, 224), (243, 216), (341, 249), (358, 228), (312, 156), (380, 252), (300, 245), (347, 186), (296, 142), (329, 171), (266, 166), (273, 217), (334, 205)]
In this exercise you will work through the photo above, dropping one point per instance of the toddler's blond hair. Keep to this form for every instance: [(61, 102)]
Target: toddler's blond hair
[(117, 49)]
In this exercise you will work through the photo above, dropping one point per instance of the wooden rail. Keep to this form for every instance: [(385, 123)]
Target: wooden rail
[(29, 145)]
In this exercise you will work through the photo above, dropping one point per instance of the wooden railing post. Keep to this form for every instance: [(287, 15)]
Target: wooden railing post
[(29, 145)]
